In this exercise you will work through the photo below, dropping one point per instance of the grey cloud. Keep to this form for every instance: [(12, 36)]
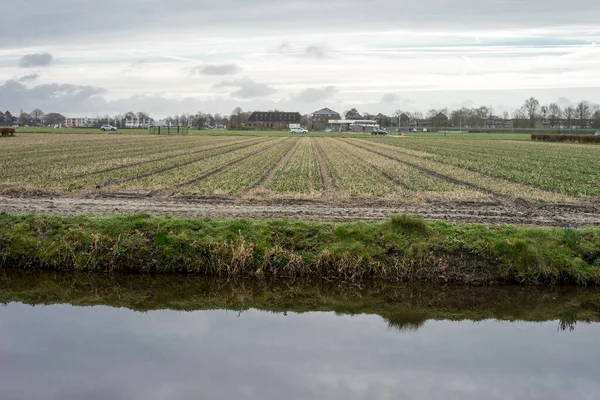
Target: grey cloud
[(248, 89), (55, 96), (390, 98), (29, 78), (318, 51), (36, 60), (65, 24), (312, 95), (217, 69)]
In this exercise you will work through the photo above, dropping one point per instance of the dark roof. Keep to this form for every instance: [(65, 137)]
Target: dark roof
[(274, 116), (353, 115), (325, 111)]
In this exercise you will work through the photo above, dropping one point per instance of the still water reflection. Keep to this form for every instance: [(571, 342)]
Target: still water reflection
[(61, 351)]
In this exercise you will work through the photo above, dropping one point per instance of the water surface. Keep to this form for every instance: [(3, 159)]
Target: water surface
[(120, 347)]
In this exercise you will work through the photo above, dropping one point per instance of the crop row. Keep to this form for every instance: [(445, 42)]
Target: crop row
[(355, 177), (300, 174), (242, 175), (139, 170), (40, 145), (76, 163), (569, 169), (489, 183), (174, 177)]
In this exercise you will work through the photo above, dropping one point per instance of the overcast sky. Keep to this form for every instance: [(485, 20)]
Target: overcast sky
[(83, 57)]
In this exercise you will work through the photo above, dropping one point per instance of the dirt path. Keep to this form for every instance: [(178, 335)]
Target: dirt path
[(486, 213)]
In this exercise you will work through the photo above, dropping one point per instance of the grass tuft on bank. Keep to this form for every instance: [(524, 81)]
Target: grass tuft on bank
[(401, 249)]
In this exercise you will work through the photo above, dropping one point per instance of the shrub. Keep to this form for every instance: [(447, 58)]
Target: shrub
[(566, 138), (6, 131), (409, 225), (571, 236)]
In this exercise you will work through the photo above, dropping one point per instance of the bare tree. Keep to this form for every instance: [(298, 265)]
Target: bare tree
[(569, 114), (583, 113), (432, 113), (531, 108), (554, 114), (544, 112), (37, 116), (218, 120), (25, 118), (55, 119), (595, 115), (237, 116)]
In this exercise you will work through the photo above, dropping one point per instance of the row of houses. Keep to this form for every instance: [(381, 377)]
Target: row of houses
[(327, 118), (86, 122)]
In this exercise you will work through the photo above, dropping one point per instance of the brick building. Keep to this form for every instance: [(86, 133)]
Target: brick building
[(319, 120), (274, 119)]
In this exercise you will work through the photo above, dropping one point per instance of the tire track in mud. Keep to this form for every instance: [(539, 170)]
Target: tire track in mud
[(377, 170), (434, 174), (189, 153), (221, 168), (556, 215), (172, 167), (271, 172), (329, 184)]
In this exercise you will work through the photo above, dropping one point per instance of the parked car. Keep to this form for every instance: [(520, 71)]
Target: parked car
[(378, 131), (328, 130), (597, 133), (15, 127), (107, 127), (298, 130)]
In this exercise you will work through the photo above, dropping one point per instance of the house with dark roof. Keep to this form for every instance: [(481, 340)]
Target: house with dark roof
[(319, 120), (274, 119), (440, 120), (353, 115), (405, 120)]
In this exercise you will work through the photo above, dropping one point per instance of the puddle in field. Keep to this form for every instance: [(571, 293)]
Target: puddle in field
[(133, 337)]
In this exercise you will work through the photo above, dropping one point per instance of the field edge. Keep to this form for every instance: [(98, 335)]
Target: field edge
[(400, 249)]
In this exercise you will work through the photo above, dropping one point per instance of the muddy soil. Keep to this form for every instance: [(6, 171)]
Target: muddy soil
[(491, 212)]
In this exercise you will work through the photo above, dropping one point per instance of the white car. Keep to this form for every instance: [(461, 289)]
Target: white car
[(105, 128), (597, 133), (328, 130), (15, 126), (298, 130)]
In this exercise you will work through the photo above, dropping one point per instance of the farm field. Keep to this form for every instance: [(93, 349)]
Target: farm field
[(349, 171)]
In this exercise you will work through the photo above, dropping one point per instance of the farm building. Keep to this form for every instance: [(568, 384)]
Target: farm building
[(274, 119), (320, 119), (354, 125)]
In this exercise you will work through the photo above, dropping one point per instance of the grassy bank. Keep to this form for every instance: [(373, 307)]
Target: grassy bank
[(403, 306), (402, 249)]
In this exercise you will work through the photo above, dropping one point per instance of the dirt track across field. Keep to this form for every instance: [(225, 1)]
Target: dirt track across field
[(492, 213)]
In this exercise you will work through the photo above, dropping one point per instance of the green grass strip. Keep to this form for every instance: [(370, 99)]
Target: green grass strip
[(401, 249)]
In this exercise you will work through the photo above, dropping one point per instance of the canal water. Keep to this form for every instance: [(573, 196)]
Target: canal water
[(96, 337)]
